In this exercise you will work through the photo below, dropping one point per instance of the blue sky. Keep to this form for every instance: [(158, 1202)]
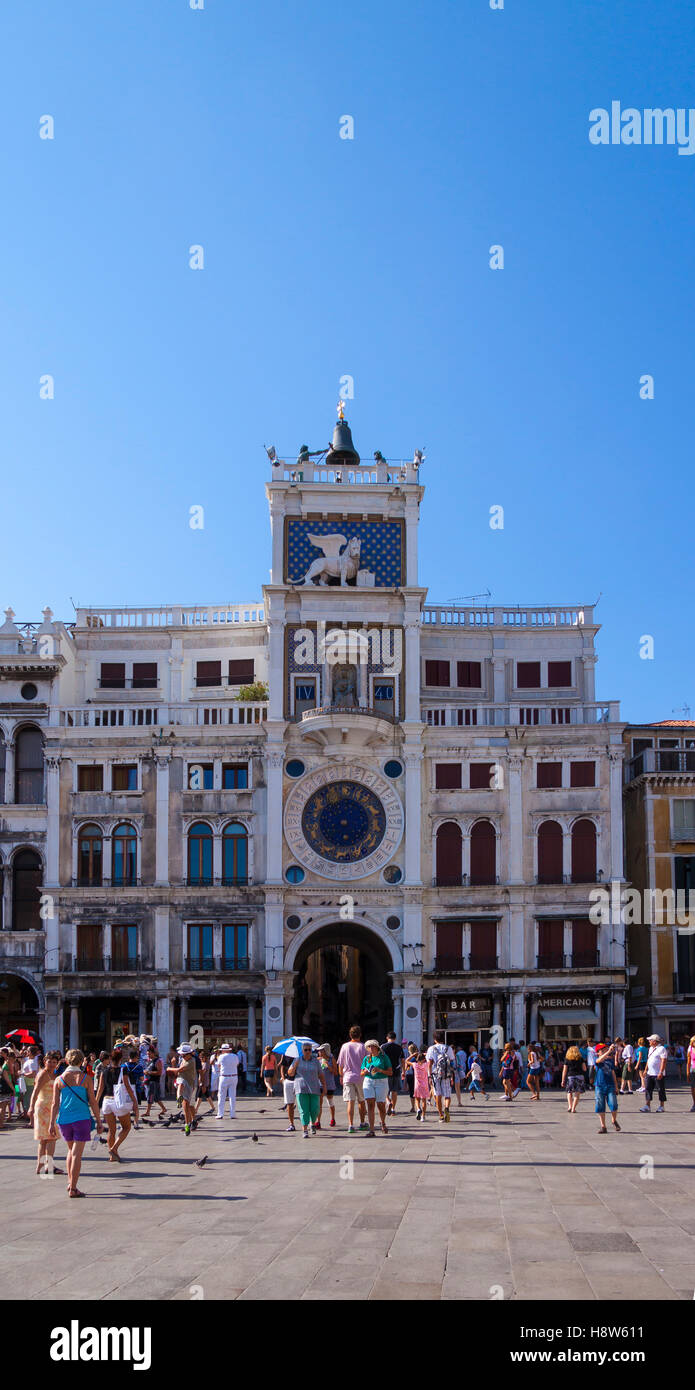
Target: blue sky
[(370, 257)]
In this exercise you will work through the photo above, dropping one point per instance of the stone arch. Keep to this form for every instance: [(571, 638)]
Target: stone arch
[(320, 927)]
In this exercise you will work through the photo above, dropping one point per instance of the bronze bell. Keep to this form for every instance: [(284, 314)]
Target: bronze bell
[(342, 450)]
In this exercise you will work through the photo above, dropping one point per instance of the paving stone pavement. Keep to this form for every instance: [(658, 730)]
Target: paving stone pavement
[(516, 1201)]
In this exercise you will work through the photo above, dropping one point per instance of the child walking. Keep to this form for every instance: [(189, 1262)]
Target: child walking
[(422, 1085)]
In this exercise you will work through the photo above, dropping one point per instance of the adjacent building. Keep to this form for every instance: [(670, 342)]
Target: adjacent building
[(336, 802)]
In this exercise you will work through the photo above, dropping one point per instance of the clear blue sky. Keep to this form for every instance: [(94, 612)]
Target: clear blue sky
[(369, 257)]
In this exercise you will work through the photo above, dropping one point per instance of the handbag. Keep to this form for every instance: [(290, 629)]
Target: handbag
[(120, 1094)]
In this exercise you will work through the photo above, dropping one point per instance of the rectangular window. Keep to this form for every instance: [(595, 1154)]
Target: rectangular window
[(584, 938), (449, 942), (200, 777), (235, 946), (582, 774), (241, 672), (483, 945), (208, 673), (550, 944), (447, 776), (124, 947), (124, 777), (549, 774), (200, 955), (437, 673), (481, 776), (528, 675), (144, 675), (112, 675), (383, 692), (469, 673), (89, 952), (235, 776), (683, 819), (90, 778), (305, 692), (559, 673)]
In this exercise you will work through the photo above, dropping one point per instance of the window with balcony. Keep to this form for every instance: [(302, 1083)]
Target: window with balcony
[(242, 672), (481, 776), (201, 777), (90, 955), (200, 854), (145, 675), (208, 673), (235, 946), (200, 947), (583, 774), (89, 856), (124, 947), (449, 851), (559, 673), (29, 768), (483, 946), (27, 876), (683, 824), (483, 853), (469, 674), (528, 675), (549, 852), (551, 933), (449, 946), (548, 775), (124, 777), (90, 777), (583, 852), (235, 776), (112, 675), (584, 944), (235, 855), (437, 673), (447, 776), (124, 848)]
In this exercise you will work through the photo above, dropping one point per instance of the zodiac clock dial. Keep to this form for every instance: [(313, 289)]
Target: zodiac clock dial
[(343, 821)]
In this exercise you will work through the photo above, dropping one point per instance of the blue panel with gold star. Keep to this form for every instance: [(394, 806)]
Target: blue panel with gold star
[(344, 822), (381, 549)]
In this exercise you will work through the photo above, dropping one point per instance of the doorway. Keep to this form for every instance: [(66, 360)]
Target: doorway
[(342, 978)]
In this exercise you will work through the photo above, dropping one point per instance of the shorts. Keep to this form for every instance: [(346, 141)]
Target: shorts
[(394, 1085), (288, 1092), (269, 1074), (442, 1088), (352, 1090), (627, 1071), (76, 1133), (376, 1088), (109, 1107), (187, 1091), (605, 1097)]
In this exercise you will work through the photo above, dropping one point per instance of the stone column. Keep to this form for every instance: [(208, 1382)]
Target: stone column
[(9, 774), (398, 1014), (618, 1015), (274, 761), (276, 655), (251, 1036), (288, 1015), (52, 874), (183, 1020), (142, 1015), (272, 1012), (161, 938), (53, 1036), (412, 669), (74, 1025), (412, 1009), (413, 811), (517, 1002), (498, 1027), (164, 1023), (430, 1020), (161, 762), (516, 822), (273, 931), (107, 946), (615, 768), (533, 1024)]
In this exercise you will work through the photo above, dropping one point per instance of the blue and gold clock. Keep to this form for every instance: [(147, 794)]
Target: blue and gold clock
[(343, 821)]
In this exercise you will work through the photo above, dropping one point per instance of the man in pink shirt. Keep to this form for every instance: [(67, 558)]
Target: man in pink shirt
[(350, 1072)]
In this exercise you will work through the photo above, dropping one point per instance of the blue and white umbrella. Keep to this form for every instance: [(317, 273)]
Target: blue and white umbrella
[(292, 1047)]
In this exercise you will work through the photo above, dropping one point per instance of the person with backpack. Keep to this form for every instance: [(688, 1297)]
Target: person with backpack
[(440, 1064)]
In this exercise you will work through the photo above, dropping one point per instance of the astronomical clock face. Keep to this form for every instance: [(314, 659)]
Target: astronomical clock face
[(343, 822)]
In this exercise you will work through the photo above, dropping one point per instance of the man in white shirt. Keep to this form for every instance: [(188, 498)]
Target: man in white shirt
[(441, 1069), (656, 1072), (228, 1064), (628, 1064)]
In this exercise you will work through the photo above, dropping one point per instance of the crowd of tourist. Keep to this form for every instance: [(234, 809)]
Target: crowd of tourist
[(85, 1098)]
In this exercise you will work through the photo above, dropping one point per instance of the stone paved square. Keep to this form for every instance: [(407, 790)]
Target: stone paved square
[(519, 1197)]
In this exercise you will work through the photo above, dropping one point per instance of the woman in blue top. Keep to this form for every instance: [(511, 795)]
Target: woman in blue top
[(73, 1106)]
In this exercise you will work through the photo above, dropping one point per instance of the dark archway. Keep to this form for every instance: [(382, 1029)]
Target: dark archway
[(19, 1005), (342, 978)]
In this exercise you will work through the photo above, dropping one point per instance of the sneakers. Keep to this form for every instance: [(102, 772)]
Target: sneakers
[(644, 1110), (290, 1129), (332, 1123), (351, 1129), (364, 1125), (306, 1134), (659, 1109), (187, 1129), (312, 1130), (447, 1117), (317, 1124)]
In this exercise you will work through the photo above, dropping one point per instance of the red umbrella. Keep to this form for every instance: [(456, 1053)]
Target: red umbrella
[(22, 1034)]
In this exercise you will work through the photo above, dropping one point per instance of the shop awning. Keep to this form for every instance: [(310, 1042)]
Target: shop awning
[(569, 1016)]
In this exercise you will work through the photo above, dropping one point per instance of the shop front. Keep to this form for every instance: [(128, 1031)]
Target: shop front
[(210, 1023), (566, 1018), (466, 1019)]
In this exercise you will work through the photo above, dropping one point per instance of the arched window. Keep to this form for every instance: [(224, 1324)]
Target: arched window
[(89, 856), (235, 854), (124, 848), (550, 852), (200, 853), (583, 852), (27, 875), (483, 852), (448, 865), (29, 768)]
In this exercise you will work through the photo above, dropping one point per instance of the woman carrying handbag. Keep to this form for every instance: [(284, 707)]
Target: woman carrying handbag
[(118, 1100)]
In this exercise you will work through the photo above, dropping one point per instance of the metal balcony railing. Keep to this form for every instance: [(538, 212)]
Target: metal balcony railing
[(199, 963), (450, 880), (662, 760), (576, 960), (451, 965), (202, 881), (90, 965)]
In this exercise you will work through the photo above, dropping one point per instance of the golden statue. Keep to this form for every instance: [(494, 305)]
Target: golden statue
[(341, 410)]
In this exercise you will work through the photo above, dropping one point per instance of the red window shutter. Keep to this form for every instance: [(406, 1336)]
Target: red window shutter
[(550, 852), (549, 774), (144, 675), (528, 675), (436, 673), (584, 852), (481, 776), (550, 944), (582, 774), (559, 673), (447, 776), (241, 672), (483, 945), (584, 942), (448, 870), (449, 945), (113, 675), (483, 853), (469, 673), (208, 673)]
